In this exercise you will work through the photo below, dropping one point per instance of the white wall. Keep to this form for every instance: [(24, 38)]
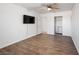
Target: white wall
[(12, 28), (75, 25), (48, 22), (39, 25)]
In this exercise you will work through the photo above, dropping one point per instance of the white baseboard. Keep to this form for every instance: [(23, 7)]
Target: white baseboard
[(76, 46), (17, 41)]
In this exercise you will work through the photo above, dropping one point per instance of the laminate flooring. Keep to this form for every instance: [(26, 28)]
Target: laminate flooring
[(42, 44)]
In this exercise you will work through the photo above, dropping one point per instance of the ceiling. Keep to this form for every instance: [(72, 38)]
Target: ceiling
[(41, 9)]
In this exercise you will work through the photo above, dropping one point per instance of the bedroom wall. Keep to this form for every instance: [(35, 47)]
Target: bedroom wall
[(12, 28), (48, 22), (75, 25)]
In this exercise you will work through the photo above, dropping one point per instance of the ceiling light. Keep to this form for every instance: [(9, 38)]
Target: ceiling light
[(49, 9)]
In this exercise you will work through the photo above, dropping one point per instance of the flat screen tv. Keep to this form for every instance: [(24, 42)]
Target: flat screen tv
[(28, 19)]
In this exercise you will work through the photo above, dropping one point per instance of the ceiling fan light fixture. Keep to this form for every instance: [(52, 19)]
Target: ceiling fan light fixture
[(49, 9)]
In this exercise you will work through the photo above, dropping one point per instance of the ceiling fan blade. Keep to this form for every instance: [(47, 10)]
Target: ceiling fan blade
[(53, 11), (46, 4), (54, 8), (41, 8), (54, 4)]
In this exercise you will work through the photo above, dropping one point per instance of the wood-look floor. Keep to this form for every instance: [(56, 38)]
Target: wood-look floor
[(42, 44)]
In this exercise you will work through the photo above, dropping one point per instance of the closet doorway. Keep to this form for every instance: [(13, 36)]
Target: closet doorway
[(58, 25)]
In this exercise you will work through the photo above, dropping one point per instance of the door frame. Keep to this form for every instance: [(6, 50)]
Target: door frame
[(55, 24)]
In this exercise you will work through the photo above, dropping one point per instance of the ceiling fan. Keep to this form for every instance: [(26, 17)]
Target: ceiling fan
[(51, 7)]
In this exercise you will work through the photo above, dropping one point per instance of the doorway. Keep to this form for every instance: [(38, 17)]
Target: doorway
[(58, 25)]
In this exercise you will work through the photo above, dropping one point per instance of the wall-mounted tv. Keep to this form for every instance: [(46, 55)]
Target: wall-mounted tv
[(28, 19)]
